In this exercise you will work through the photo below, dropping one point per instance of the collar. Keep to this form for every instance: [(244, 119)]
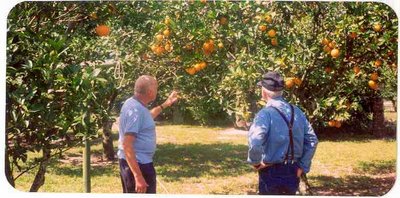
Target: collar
[(134, 97), (275, 101)]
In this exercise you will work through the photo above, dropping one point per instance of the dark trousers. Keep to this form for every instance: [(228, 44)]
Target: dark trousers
[(279, 179), (128, 180)]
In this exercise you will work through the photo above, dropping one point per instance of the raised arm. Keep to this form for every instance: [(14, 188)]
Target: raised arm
[(172, 98)]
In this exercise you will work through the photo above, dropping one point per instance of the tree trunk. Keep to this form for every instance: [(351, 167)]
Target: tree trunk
[(177, 117), (8, 171), (40, 175), (378, 119), (108, 148), (394, 102)]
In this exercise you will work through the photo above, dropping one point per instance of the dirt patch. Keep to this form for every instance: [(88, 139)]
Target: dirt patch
[(95, 160)]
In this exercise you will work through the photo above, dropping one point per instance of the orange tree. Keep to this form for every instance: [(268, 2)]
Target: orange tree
[(214, 52), (339, 61), (56, 91)]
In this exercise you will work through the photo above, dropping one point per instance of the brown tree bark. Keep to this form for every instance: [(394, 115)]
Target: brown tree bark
[(378, 118), (40, 175), (108, 148), (8, 171)]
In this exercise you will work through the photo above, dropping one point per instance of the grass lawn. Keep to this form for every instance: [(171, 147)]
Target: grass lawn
[(202, 160)]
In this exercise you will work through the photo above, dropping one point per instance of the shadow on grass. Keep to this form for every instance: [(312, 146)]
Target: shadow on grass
[(351, 185), (177, 162), (76, 171), (377, 167)]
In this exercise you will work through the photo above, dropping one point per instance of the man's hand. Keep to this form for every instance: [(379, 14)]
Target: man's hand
[(260, 166), (172, 98), (141, 185), (299, 172)]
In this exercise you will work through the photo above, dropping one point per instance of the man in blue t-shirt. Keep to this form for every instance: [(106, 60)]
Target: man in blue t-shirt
[(282, 142), (137, 137)]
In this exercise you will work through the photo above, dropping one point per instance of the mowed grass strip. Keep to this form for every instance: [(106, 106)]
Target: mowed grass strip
[(204, 160)]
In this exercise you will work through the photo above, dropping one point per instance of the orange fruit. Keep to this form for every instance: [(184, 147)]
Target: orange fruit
[(325, 41), (159, 50), (268, 19), (191, 70), (297, 81), (353, 35), (338, 124), (328, 69), (223, 21), (356, 69), (167, 20), (373, 85), (289, 83), (327, 49), (159, 37), (262, 28), (378, 63), (374, 76), (377, 27), (208, 47), (197, 67), (153, 48), (203, 65), (102, 30), (274, 42), (332, 44), (203, 1), (335, 53), (332, 123), (167, 47), (390, 53), (271, 33), (166, 33), (220, 45)]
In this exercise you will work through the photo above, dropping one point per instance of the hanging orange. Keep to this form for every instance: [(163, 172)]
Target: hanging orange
[(102, 30)]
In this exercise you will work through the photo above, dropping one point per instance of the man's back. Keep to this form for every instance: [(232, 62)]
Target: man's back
[(136, 119)]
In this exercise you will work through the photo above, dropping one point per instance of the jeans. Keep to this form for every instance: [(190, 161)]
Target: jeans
[(128, 180), (279, 179)]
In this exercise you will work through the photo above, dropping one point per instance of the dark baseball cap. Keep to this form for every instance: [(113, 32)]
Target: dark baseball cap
[(272, 81)]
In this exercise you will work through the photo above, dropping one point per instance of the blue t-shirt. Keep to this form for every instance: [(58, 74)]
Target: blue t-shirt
[(136, 119)]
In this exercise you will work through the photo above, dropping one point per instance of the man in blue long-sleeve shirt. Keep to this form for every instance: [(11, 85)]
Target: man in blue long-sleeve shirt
[(282, 142)]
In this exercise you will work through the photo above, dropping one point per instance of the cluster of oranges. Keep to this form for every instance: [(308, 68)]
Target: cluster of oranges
[(271, 33), (291, 81), (372, 83), (330, 47), (162, 43), (196, 68)]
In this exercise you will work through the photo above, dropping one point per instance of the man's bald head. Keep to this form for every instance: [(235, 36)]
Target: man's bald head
[(145, 83)]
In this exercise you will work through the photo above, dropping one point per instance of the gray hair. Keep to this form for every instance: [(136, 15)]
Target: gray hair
[(272, 94), (143, 84)]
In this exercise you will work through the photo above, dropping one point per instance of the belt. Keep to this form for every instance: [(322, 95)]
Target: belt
[(286, 162)]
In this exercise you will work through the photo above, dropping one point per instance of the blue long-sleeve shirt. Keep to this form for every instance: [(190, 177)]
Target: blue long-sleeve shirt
[(269, 136)]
